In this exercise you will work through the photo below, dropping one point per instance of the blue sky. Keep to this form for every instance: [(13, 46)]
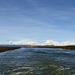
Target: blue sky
[(37, 20)]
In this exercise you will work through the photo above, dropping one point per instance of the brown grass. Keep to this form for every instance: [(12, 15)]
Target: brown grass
[(2, 49), (63, 47)]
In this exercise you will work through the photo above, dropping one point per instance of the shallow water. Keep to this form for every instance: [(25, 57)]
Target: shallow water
[(37, 61)]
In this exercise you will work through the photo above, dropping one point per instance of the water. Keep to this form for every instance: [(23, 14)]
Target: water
[(37, 61)]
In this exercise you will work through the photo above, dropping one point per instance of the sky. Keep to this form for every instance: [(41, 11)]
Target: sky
[(37, 22)]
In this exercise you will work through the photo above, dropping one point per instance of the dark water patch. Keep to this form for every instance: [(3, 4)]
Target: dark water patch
[(41, 52)]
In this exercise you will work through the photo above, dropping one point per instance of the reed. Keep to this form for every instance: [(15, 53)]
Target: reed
[(2, 49), (63, 47)]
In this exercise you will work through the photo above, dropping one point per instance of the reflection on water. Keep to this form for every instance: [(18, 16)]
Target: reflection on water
[(37, 61)]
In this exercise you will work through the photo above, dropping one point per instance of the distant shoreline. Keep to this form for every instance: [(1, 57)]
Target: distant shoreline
[(3, 48), (63, 47)]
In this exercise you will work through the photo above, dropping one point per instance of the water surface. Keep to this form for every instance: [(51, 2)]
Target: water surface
[(37, 61)]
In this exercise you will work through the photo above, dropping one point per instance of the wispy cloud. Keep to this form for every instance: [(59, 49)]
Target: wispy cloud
[(32, 2)]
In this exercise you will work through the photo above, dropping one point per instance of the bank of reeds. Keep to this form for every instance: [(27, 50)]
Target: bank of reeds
[(2, 49), (63, 47)]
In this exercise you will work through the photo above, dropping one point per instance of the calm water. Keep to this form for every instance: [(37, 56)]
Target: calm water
[(37, 61)]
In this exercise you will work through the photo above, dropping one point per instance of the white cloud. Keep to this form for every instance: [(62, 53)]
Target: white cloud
[(47, 42), (0, 43), (31, 42), (24, 42), (66, 43), (51, 42)]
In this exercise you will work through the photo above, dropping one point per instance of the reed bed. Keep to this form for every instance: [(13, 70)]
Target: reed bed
[(2, 49)]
